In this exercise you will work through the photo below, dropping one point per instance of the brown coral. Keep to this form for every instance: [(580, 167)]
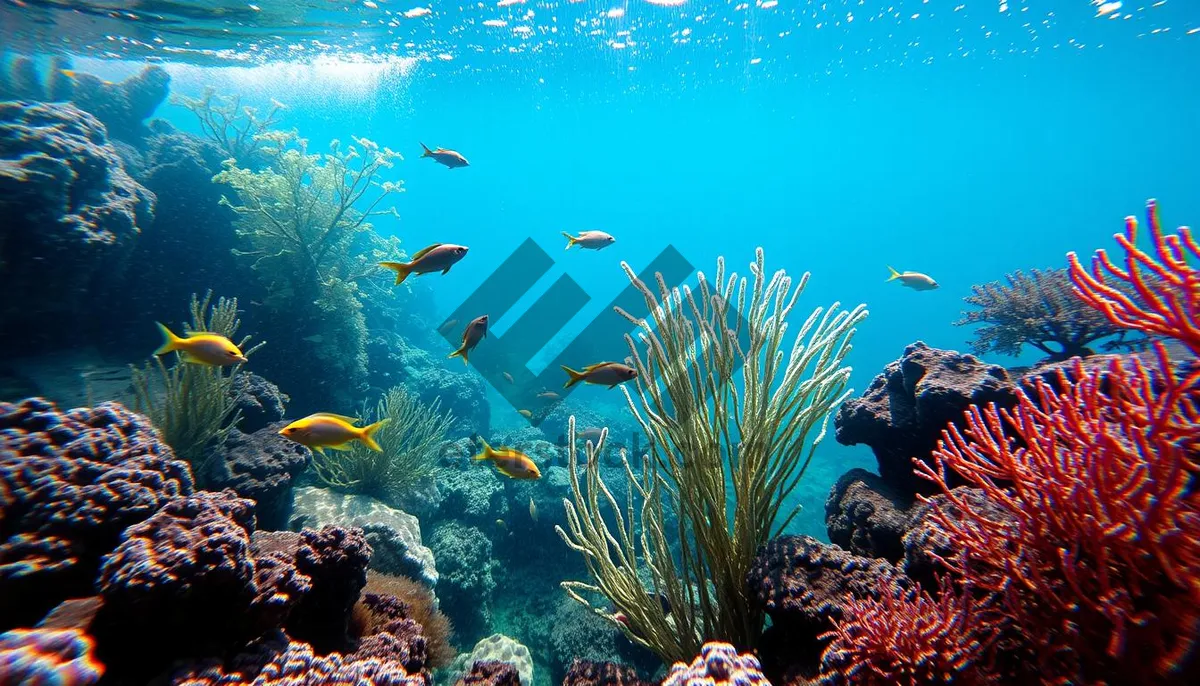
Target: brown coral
[(376, 607)]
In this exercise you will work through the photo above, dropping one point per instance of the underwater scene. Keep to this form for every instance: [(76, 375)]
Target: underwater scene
[(599, 342)]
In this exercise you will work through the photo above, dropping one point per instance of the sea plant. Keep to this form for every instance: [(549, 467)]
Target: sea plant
[(1040, 309), (192, 405), (722, 460), (303, 220), (234, 127), (410, 442)]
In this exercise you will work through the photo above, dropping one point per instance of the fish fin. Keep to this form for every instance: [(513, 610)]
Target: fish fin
[(344, 418), (367, 435), (486, 454), (461, 352), (575, 377), (402, 270), (170, 341), (428, 152), (192, 359), (446, 270), (571, 240), (318, 449), (505, 472), (340, 447), (594, 367), (423, 252), (895, 274)]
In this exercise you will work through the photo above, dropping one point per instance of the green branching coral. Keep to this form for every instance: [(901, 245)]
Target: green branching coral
[(1039, 309), (304, 221), (226, 122), (192, 405), (410, 443), (723, 457)]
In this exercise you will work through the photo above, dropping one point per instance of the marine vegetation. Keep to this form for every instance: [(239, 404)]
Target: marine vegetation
[(420, 605), (1039, 309), (303, 220), (410, 443), (723, 457), (193, 405), (225, 121), (1091, 539)]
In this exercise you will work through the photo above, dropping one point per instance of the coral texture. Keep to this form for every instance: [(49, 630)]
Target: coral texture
[(260, 402), (262, 467), (902, 412), (298, 665), (467, 583), (717, 664), (122, 107), (588, 673), (48, 656), (866, 517), (71, 482), (387, 597), (490, 673), (501, 648)]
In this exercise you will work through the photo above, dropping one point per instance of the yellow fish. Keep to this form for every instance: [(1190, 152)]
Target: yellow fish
[(510, 462), (914, 280), (476, 331), (324, 430), (201, 348), (603, 374), (590, 240), (525, 413)]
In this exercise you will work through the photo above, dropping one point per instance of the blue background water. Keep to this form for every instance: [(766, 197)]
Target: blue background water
[(927, 144)]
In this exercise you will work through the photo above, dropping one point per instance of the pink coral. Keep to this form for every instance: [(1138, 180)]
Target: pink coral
[(718, 664)]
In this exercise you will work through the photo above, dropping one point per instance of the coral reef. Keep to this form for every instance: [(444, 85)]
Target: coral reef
[(727, 508), (299, 665), (1039, 309), (717, 664), (490, 673), (72, 215), (122, 107), (48, 656), (261, 466), (410, 442), (387, 597), (866, 517), (902, 412), (463, 395), (394, 536), (19, 79), (260, 403), (70, 483), (472, 495), (501, 648), (589, 673), (467, 566)]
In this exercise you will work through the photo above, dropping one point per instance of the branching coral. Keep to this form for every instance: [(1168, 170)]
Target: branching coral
[(225, 121), (723, 459), (410, 443), (193, 405), (1168, 288), (1038, 309), (304, 221)]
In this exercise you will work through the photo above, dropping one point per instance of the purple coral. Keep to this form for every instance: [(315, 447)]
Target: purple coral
[(718, 663), (48, 657), (589, 673), (71, 482), (297, 665), (490, 673)]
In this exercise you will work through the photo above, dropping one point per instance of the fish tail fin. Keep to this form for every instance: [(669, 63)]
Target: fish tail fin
[(367, 434), (895, 274), (428, 152), (461, 352), (402, 270), (575, 377), (571, 240), (484, 454), (170, 341)]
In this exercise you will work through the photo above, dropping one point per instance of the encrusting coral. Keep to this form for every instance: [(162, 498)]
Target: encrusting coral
[(418, 604), (410, 441), (723, 459), (48, 656), (193, 405), (1039, 309)]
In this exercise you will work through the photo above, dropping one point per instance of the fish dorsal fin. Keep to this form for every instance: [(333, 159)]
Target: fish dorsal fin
[(423, 252), (330, 415), (194, 334), (594, 367)]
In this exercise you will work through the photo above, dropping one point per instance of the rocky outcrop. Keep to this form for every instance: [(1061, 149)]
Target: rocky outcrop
[(866, 516)]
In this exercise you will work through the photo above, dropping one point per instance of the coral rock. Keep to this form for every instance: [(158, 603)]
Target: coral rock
[(71, 482), (299, 666), (394, 535), (501, 648), (866, 517), (717, 664), (925, 543), (123, 106), (588, 673), (490, 673), (467, 582), (260, 401), (261, 466), (48, 656), (902, 414)]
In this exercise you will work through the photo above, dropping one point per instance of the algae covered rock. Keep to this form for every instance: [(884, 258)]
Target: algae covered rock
[(467, 583), (394, 535)]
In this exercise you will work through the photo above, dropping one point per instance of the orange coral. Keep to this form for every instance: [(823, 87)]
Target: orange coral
[(1168, 285)]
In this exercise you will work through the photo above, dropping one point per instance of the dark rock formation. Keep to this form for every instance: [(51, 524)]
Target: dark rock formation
[(866, 516), (122, 107), (903, 412), (260, 403), (588, 673), (925, 545), (490, 673), (261, 466)]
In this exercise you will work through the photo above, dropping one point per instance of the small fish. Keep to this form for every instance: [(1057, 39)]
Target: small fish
[(448, 325), (500, 523), (476, 331), (324, 430), (603, 374), (509, 377), (914, 280), (532, 510), (201, 348), (525, 413), (589, 240), (592, 434), (548, 395), (451, 159), (510, 462), (439, 257), (315, 338)]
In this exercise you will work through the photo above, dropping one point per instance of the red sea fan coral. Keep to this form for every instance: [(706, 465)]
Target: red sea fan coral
[(909, 639), (1169, 287), (1101, 556)]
